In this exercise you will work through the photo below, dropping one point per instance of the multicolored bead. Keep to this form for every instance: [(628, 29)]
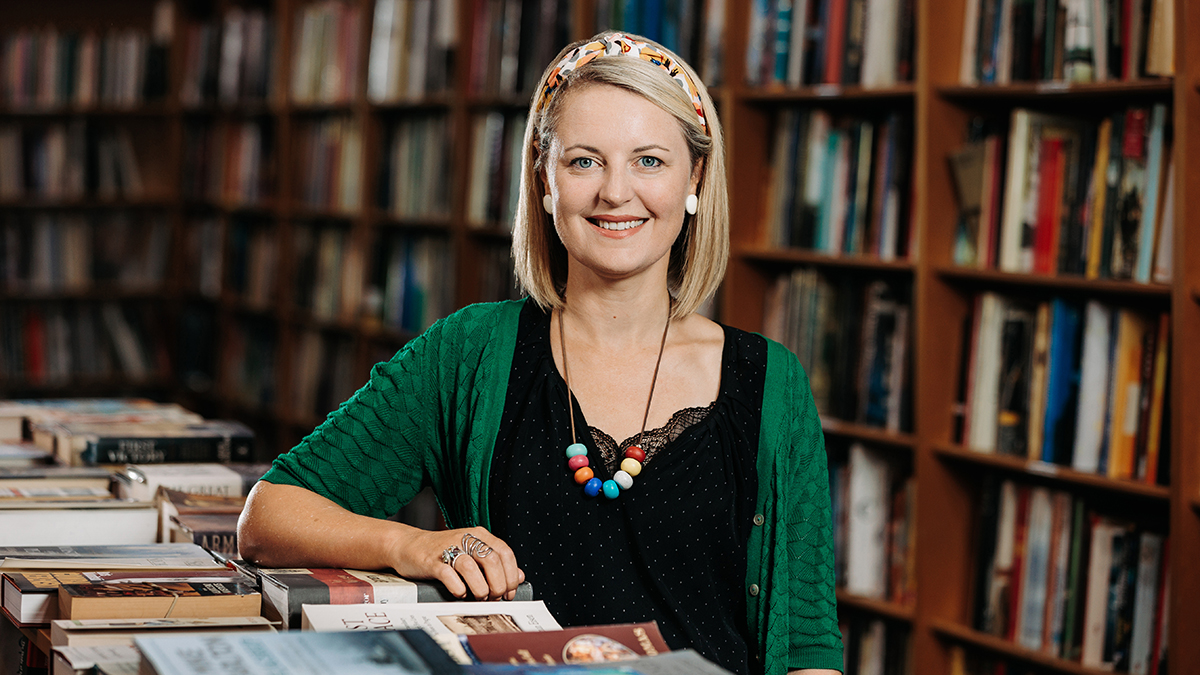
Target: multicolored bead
[(583, 475), (623, 479), (635, 452), (631, 466), (576, 449), (577, 462), (611, 489), (592, 487)]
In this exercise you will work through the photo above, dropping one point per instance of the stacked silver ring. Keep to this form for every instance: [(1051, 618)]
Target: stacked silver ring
[(474, 546), (451, 554)]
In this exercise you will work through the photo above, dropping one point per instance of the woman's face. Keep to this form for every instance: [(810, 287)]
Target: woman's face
[(618, 172)]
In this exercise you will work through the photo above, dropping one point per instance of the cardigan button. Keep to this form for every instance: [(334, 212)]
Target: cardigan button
[(758, 519), (753, 589)]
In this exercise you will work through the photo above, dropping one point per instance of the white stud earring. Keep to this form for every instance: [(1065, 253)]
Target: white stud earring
[(548, 204), (691, 204)]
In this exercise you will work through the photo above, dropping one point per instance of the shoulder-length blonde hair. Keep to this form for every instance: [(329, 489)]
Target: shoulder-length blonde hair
[(700, 254)]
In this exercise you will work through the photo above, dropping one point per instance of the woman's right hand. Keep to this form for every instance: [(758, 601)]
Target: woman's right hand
[(289, 526), (486, 568)]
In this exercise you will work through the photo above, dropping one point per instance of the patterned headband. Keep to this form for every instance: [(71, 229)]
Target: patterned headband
[(619, 44)]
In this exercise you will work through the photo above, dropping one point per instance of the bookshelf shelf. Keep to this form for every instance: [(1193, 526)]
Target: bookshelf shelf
[(246, 109), (491, 234), (1042, 91), (794, 256), (321, 109), (830, 92), (955, 633), (43, 204), (873, 435), (1053, 471), (423, 105), (1060, 283), (883, 608), (140, 111)]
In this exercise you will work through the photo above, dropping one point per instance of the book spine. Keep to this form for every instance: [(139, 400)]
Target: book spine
[(167, 450)]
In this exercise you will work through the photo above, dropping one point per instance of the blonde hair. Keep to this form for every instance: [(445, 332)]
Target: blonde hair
[(700, 254)]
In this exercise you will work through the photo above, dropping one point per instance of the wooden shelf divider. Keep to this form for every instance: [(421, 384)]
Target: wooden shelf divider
[(954, 632)]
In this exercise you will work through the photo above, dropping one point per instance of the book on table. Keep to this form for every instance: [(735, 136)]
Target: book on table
[(579, 644), (102, 632), (286, 591), (329, 653), (31, 597), (166, 599)]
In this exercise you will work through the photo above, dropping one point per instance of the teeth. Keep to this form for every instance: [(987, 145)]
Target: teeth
[(617, 227)]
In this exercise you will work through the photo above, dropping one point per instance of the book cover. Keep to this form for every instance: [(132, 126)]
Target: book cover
[(107, 557), (328, 653), (457, 618), (96, 632), (580, 644), (1124, 393), (1012, 413), (1031, 605), (869, 500), (157, 599)]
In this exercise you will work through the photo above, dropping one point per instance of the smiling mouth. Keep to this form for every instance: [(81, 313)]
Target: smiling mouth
[(616, 226)]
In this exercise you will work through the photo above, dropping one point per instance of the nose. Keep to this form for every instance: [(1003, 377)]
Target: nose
[(616, 189)]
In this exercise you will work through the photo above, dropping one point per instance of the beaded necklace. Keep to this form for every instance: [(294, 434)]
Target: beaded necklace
[(577, 460)]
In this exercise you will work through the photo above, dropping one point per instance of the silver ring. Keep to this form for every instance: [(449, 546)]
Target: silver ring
[(474, 546), (451, 554)]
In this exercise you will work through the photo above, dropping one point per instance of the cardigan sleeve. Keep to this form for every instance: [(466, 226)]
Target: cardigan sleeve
[(815, 640), (371, 455)]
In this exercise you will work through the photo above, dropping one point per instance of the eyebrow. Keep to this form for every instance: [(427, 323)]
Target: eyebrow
[(588, 148)]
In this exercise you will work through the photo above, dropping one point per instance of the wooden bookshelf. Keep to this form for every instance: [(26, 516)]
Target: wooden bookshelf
[(880, 608), (953, 633), (947, 475)]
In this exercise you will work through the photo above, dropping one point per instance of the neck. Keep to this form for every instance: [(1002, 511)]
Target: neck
[(616, 315)]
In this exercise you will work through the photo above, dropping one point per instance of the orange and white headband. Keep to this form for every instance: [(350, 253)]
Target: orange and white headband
[(619, 44)]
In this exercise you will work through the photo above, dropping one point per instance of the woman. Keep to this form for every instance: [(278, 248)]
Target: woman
[(510, 410)]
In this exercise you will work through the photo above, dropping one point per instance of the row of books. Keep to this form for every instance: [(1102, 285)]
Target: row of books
[(796, 43), (328, 274), (411, 283), (173, 608), (325, 64), (329, 153), (50, 67), (252, 263), (841, 185), (496, 145), (690, 28), (324, 374), (874, 646), (512, 41), (228, 60), (413, 184), (1082, 386), (873, 533), (497, 277), (204, 259), (228, 162), (852, 336), (56, 343), (1072, 41), (50, 252), (247, 362), (1069, 195), (1057, 577), (74, 160), (413, 44)]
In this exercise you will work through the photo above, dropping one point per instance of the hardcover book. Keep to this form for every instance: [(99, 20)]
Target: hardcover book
[(581, 644), (157, 599), (287, 590), (100, 632)]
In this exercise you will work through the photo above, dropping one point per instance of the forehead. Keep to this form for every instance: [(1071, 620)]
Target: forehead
[(604, 116)]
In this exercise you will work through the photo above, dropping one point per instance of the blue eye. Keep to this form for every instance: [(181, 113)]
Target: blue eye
[(583, 162), (649, 162)]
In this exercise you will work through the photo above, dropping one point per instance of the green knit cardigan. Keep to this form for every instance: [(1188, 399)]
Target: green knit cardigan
[(430, 416)]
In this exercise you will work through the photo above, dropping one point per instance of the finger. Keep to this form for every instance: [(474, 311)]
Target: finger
[(500, 565), (477, 584), (451, 580)]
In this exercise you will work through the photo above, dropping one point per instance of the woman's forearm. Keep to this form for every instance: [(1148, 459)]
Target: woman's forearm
[(289, 526)]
